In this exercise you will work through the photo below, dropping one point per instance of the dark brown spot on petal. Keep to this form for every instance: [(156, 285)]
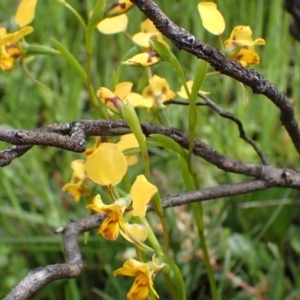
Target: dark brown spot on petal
[(151, 55)]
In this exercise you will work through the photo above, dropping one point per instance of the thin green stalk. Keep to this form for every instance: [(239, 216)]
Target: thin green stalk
[(192, 183), (164, 225), (198, 217), (74, 11), (94, 19), (153, 239), (170, 286)]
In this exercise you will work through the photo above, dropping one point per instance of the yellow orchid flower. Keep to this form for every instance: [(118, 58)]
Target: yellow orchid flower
[(107, 165), (113, 25), (126, 142), (135, 232), (115, 100), (144, 274), (74, 187), (148, 30), (114, 223), (211, 17), (182, 93), (145, 59), (25, 12), (159, 91), (118, 8), (116, 19), (240, 45), (10, 50), (110, 228)]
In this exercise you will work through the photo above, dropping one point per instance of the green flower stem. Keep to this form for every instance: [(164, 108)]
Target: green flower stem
[(192, 183), (221, 42), (198, 217), (75, 13), (139, 254), (212, 74), (156, 199), (170, 285), (152, 238), (193, 113), (179, 292), (132, 120), (30, 49), (95, 18), (69, 57)]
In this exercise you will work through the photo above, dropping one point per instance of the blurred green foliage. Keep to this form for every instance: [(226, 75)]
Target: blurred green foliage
[(255, 236)]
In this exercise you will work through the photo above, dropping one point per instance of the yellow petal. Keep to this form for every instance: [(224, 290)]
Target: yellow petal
[(182, 93), (97, 204), (113, 25), (3, 32), (90, 150), (141, 193), (7, 63), (12, 50), (107, 165), (131, 267), (16, 36), (145, 59), (140, 288), (74, 190), (123, 89), (132, 160), (138, 100), (211, 17), (110, 99), (242, 36), (135, 232), (110, 228), (142, 39), (148, 27), (25, 12), (259, 41), (127, 141), (119, 8), (78, 167), (246, 57), (158, 90)]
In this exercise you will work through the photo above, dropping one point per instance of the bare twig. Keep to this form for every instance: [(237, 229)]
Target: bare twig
[(230, 116), (227, 115), (182, 39)]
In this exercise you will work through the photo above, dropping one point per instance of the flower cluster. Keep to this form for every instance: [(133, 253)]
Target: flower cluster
[(106, 165), (240, 45), (10, 46), (152, 96)]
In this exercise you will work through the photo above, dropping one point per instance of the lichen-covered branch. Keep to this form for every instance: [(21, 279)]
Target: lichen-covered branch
[(54, 137)]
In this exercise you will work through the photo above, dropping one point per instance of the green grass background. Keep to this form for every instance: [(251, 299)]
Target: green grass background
[(260, 244)]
